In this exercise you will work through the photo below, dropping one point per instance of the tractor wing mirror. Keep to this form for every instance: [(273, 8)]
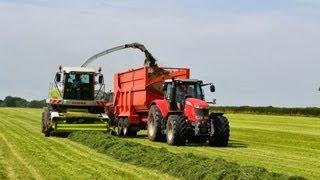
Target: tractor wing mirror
[(100, 80), (58, 77), (212, 88)]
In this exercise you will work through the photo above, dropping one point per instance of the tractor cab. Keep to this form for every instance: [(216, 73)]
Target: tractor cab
[(177, 91)]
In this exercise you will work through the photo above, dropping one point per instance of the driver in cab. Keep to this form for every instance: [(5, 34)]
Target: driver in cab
[(183, 91)]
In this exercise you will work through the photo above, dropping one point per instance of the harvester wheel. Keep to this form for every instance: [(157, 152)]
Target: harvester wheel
[(220, 136), (128, 130), (45, 123), (42, 123), (120, 127), (176, 130), (154, 124)]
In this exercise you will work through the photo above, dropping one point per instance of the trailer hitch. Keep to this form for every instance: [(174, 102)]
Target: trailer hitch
[(149, 61)]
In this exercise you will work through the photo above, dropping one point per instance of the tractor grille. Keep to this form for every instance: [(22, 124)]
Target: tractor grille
[(202, 112)]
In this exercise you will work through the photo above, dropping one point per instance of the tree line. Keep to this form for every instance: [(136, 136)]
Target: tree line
[(10, 101), (269, 110)]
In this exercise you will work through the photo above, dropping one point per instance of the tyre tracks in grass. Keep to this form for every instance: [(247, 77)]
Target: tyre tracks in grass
[(18, 157), (62, 157), (74, 148), (42, 154), (3, 172), (53, 150), (8, 171)]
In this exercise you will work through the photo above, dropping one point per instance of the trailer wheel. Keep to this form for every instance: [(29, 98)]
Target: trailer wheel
[(221, 133), (176, 130), (120, 127), (128, 130), (154, 124), (45, 122)]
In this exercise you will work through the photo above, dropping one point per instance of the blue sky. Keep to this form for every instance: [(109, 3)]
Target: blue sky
[(256, 52)]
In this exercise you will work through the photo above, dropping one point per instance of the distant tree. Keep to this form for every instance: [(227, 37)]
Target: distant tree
[(10, 101), (37, 104), (1, 103)]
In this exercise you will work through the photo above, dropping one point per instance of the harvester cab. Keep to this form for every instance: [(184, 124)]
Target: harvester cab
[(76, 101), (183, 115), (77, 83)]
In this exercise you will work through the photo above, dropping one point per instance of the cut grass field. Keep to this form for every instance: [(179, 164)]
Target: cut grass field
[(26, 154), (283, 144), (287, 145)]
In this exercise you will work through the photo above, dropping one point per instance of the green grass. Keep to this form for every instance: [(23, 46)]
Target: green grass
[(181, 165), (3, 173), (282, 144), (26, 154)]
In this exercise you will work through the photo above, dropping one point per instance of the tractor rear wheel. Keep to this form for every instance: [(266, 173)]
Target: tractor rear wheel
[(45, 122), (220, 136), (176, 130), (128, 130), (154, 124)]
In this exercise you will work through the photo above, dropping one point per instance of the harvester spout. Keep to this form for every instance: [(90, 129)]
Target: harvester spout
[(149, 61)]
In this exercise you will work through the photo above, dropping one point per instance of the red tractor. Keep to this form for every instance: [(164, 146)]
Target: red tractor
[(183, 115)]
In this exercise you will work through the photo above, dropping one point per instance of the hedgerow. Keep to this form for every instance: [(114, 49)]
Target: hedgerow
[(180, 165), (269, 110)]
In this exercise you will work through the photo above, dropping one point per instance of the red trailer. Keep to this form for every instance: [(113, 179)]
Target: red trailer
[(167, 103), (135, 90)]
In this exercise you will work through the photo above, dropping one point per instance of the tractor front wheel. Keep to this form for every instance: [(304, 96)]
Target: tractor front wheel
[(221, 129), (154, 124), (176, 130)]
